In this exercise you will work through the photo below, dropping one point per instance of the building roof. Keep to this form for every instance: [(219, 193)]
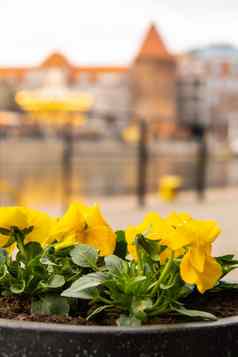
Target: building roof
[(13, 72), (56, 59), (153, 45), (100, 69)]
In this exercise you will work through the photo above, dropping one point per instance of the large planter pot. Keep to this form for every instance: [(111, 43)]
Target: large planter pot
[(213, 339)]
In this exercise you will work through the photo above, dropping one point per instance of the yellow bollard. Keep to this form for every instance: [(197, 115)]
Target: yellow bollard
[(169, 186)]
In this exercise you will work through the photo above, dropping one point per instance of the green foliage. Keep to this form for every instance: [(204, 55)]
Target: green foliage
[(136, 291), (33, 272), (36, 272), (228, 263), (131, 291), (50, 305), (194, 313), (84, 286), (128, 321), (84, 256), (121, 245)]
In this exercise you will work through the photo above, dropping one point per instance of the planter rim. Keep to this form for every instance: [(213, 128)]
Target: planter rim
[(60, 327)]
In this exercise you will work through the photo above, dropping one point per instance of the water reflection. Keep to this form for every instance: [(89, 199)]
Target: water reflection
[(42, 184)]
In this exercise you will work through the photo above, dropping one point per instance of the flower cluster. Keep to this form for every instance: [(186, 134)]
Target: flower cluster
[(80, 224), (187, 238), (142, 272)]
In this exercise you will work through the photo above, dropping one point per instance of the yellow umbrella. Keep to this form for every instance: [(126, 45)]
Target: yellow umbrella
[(45, 102)]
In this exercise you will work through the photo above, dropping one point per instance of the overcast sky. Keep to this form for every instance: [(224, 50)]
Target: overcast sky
[(108, 31)]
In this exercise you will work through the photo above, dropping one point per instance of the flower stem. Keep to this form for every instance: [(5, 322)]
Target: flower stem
[(140, 256), (19, 237), (164, 273)]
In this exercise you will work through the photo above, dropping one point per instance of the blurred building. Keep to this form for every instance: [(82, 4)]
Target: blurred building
[(153, 84), (207, 87), (170, 92), (144, 89)]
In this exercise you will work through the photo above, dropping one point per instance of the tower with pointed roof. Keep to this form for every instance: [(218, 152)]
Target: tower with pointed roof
[(153, 78)]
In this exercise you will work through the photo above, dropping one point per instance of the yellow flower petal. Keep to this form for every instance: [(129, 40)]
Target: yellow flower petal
[(101, 238), (177, 238), (130, 234), (208, 230), (187, 271), (12, 216), (94, 217), (42, 224), (211, 274), (66, 242), (165, 255), (197, 257), (73, 220), (175, 219), (86, 225)]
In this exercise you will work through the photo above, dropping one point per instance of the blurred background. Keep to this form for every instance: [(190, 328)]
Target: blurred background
[(130, 103)]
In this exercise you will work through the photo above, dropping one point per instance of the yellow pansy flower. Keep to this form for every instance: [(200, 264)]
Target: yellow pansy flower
[(42, 224), (149, 228), (204, 279), (155, 228), (11, 216), (84, 224), (23, 218), (197, 266), (186, 237)]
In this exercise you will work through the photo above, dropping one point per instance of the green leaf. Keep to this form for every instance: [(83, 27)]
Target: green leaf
[(121, 245), (195, 313), (139, 306), (228, 263), (152, 247), (38, 270), (227, 260), (17, 286), (133, 285), (56, 281), (84, 283), (5, 231), (3, 272), (224, 285), (46, 261), (114, 264), (87, 294), (185, 291), (50, 305), (85, 256), (27, 230), (33, 249), (128, 321), (98, 310), (171, 281), (10, 241), (3, 256)]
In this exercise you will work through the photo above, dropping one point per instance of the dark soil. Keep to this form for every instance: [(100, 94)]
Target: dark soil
[(224, 304)]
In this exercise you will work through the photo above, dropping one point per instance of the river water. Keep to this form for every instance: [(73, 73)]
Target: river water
[(99, 175)]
